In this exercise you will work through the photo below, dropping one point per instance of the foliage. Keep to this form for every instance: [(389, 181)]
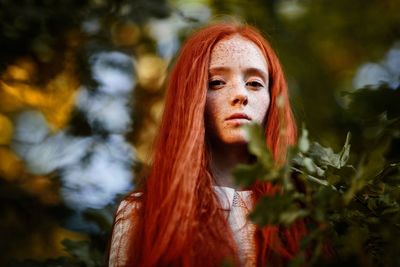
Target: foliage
[(352, 208)]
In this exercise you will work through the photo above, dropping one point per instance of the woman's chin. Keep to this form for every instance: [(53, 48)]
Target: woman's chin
[(237, 138)]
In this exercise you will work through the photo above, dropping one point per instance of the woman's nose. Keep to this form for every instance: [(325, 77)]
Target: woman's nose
[(239, 95)]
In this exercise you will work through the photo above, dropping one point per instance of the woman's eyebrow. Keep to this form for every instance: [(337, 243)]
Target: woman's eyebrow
[(258, 72), (218, 69)]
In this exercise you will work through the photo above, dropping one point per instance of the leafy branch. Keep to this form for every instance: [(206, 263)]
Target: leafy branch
[(356, 207)]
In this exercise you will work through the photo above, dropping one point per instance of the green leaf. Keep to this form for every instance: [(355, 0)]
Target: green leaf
[(290, 216), (257, 145), (345, 152), (324, 156), (277, 209), (246, 175)]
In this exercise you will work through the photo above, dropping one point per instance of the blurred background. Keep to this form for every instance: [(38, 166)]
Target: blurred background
[(81, 94)]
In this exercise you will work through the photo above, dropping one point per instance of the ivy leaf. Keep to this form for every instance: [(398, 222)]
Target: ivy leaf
[(324, 156), (257, 145), (246, 175), (277, 209), (345, 152), (263, 168)]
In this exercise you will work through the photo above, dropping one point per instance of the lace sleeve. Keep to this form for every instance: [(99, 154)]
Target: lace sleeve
[(125, 221)]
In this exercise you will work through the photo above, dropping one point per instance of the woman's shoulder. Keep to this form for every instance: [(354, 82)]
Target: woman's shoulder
[(129, 204), (126, 220)]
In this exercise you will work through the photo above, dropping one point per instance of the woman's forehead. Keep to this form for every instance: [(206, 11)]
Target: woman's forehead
[(238, 51)]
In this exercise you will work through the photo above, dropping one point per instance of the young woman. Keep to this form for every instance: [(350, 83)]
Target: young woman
[(189, 211)]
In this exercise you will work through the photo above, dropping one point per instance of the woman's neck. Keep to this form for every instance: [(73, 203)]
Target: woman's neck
[(224, 158)]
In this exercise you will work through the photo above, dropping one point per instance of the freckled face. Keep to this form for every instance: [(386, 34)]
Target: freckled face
[(238, 90)]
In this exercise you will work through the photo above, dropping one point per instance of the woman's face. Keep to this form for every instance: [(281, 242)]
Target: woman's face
[(238, 91)]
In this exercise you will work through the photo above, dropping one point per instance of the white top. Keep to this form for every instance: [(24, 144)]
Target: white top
[(236, 205)]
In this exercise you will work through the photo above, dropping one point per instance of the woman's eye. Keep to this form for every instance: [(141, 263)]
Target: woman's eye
[(215, 83), (255, 84)]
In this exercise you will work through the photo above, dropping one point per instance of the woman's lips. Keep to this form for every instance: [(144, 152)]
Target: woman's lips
[(238, 119), (238, 116)]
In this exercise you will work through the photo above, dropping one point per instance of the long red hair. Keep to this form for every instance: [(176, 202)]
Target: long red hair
[(181, 221)]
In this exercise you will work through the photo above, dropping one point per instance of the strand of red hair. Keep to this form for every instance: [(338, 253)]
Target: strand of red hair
[(181, 220)]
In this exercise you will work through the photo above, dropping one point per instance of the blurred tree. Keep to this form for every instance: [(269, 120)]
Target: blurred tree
[(46, 56)]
